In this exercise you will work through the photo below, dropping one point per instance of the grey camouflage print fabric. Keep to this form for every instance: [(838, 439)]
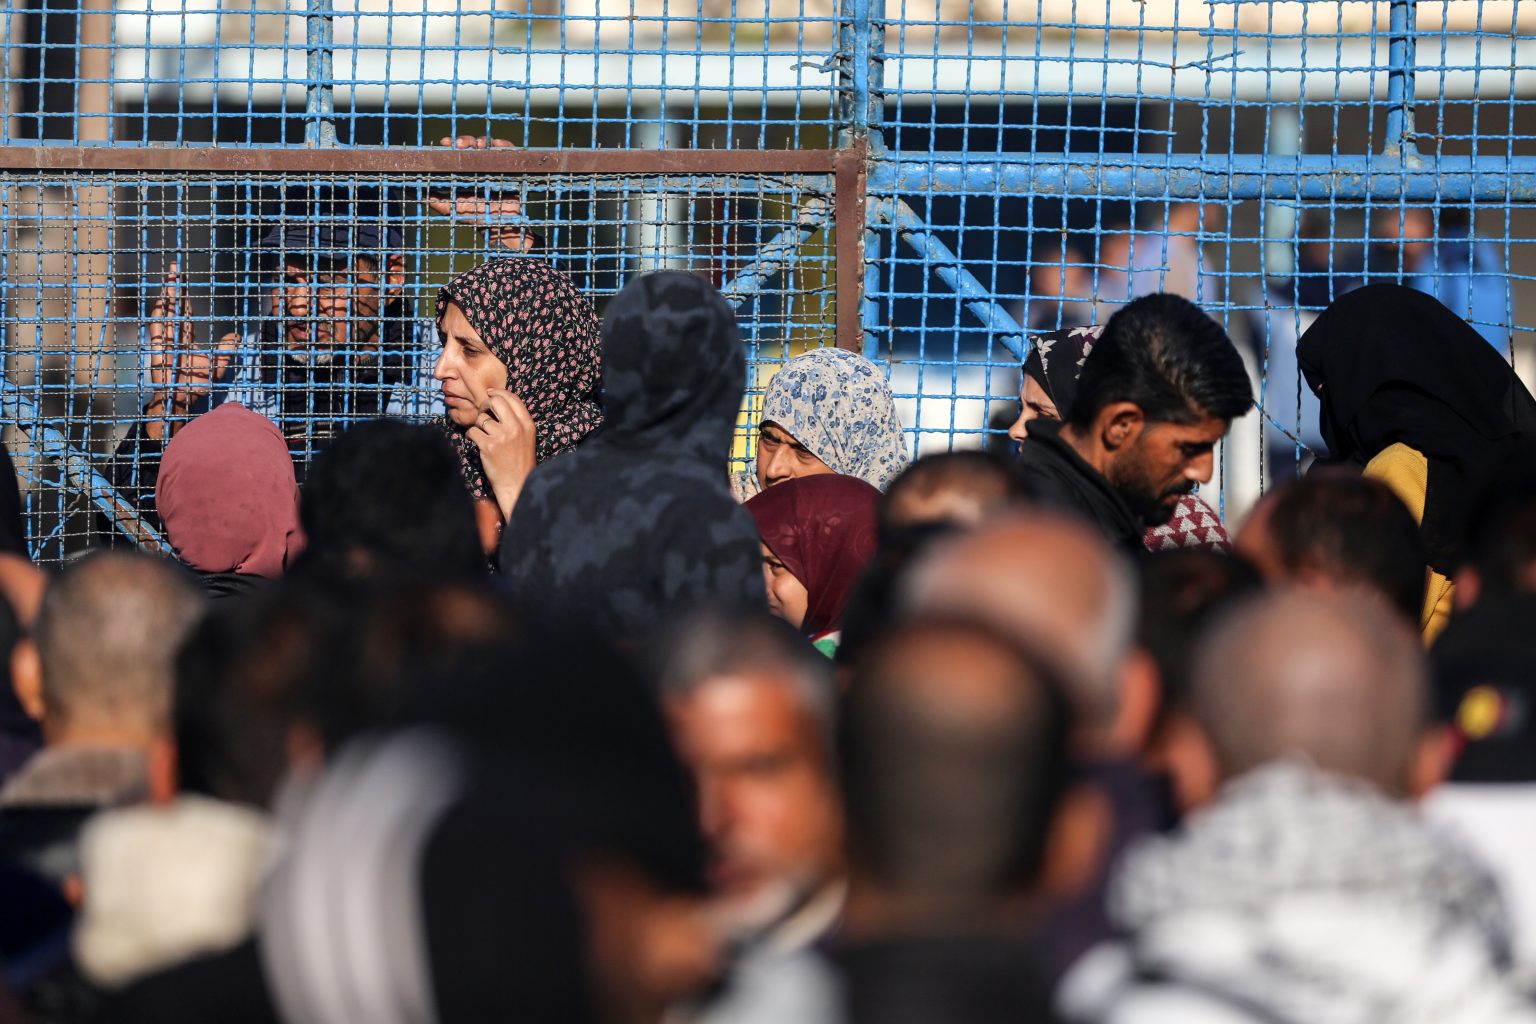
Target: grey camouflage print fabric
[(639, 523)]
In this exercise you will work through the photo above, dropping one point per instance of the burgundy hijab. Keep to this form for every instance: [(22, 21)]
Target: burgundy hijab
[(227, 495), (823, 529)]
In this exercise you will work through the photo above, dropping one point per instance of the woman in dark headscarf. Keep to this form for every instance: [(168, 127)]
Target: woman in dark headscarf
[(1048, 388), (818, 533), (1415, 396), (519, 373), (639, 522), (227, 496)]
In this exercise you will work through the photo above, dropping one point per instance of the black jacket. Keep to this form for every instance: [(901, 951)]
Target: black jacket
[(1061, 479), (639, 523)]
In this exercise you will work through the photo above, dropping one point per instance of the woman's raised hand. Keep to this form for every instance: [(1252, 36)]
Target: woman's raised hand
[(505, 434)]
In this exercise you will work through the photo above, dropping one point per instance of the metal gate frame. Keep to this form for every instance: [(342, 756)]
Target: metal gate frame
[(841, 181)]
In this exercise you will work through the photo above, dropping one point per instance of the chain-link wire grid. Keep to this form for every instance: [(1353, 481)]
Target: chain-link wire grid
[(104, 276), (1019, 166), (1044, 162)]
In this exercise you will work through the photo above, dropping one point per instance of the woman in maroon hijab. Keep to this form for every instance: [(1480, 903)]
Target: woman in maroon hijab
[(228, 499), (818, 534)]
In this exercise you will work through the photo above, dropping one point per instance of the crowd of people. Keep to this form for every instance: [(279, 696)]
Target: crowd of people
[(539, 713)]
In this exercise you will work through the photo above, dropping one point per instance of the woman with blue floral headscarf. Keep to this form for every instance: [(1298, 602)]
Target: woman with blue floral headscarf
[(828, 411)]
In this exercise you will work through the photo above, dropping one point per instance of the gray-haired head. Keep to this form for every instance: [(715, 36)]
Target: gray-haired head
[(1050, 582), (709, 646), (1337, 681), (107, 637)]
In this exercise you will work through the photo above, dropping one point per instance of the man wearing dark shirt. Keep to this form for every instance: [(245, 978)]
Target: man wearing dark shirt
[(1157, 392)]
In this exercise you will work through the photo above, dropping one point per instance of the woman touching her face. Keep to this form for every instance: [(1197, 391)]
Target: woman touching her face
[(518, 374)]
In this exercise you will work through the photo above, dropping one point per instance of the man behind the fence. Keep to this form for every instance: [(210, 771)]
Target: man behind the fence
[(333, 342), (330, 342)]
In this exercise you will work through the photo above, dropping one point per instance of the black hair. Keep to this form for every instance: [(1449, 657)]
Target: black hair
[(388, 492), (1163, 353), (1501, 529), (966, 469), (1352, 529), (1181, 591), (875, 598), (245, 678)]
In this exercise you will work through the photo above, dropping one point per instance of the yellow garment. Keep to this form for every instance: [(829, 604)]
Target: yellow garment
[(1406, 471)]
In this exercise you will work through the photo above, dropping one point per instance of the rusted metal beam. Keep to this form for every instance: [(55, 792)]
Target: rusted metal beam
[(850, 180), (221, 160)]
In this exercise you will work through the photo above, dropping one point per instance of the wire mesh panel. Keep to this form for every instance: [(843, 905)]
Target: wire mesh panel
[(652, 73), (992, 169), (135, 298), (1045, 162)]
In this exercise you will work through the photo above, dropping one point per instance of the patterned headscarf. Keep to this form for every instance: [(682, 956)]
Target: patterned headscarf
[(839, 406), (1056, 360), (534, 319)]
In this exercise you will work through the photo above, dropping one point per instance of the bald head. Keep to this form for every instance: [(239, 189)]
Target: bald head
[(954, 761), (1338, 681), (106, 638), (1049, 582)]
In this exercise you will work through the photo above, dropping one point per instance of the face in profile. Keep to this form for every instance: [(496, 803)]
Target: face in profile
[(787, 597), (767, 802), (780, 457), (1164, 463), (466, 369), (1034, 404)]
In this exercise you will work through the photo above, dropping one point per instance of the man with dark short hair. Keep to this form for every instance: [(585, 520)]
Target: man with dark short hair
[(97, 674), (1337, 530), (960, 488), (955, 768), (1156, 394)]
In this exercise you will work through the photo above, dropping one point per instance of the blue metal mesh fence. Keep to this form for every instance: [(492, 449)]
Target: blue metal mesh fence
[(1018, 167)]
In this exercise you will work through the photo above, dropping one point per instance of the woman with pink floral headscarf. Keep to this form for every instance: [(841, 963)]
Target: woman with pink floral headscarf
[(519, 375)]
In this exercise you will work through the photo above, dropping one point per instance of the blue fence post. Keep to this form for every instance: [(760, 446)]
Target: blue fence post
[(320, 86), (861, 92), (1401, 57)]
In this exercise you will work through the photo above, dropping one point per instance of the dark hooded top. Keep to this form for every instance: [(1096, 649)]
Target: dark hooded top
[(639, 521), (1062, 479), (1391, 365)]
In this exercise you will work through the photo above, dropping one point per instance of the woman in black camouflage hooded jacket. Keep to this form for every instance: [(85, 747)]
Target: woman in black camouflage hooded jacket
[(639, 523)]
